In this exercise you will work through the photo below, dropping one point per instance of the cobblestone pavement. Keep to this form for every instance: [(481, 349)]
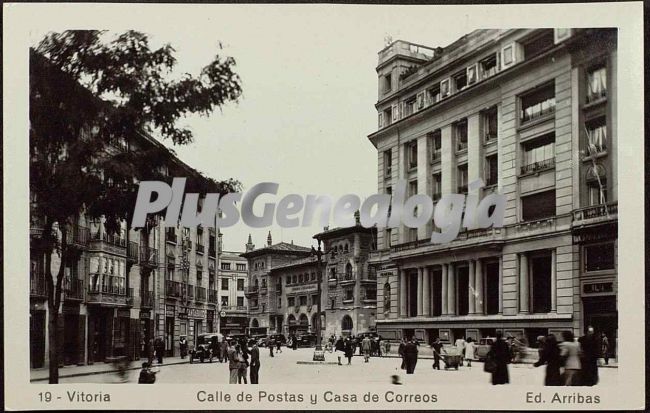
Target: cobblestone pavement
[(285, 368)]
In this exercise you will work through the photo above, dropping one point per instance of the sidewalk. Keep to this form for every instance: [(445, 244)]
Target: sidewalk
[(43, 374)]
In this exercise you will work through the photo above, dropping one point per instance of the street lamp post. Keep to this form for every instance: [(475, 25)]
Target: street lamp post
[(319, 354)]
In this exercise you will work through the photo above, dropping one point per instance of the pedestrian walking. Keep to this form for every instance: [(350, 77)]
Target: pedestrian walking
[(550, 355), (349, 350), (242, 364), (270, 344), (469, 351), (150, 351), (400, 351), (460, 345), (233, 364), (159, 346), (499, 357), (604, 347), (182, 345), (366, 346), (294, 342), (278, 345), (411, 355), (437, 349), (255, 364), (590, 350), (340, 349), (223, 355), (570, 355), (379, 345)]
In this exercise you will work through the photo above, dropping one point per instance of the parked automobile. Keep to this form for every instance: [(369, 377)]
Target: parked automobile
[(306, 340), (482, 347), (281, 337), (206, 347), (260, 339)]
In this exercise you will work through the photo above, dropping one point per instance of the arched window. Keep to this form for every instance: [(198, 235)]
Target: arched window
[(332, 273), (257, 283), (348, 271), (346, 247), (303, 320), (387, 297), (263, 282), (346, 323), (255, 323)]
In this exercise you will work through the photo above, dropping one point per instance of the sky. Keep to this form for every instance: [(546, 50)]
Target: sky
[(309, 88)]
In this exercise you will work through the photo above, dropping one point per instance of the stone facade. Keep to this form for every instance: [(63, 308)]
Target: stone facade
[(533, 114)]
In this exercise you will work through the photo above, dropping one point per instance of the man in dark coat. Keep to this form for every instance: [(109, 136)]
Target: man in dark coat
[(255, 364), (550, 355), (500, 353), (590, 354), (159, 345), (437, 349), (410, 355), (349, 350)]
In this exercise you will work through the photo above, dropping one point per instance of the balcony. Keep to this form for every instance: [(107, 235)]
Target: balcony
[(212, 296), (212, 252), (200, 294), (595, 214), (37, 285), (200, 249), (538, 166), (73, 289), (370, 278), (116, 240), (148, 257), (462, 189), (348, 279), (78, 235), (251, 290), (233, 308), (111, 292), (172, 289), (490, 137), (331, 282), (462, 145), (263, 290), (482, 236), (146, 299)]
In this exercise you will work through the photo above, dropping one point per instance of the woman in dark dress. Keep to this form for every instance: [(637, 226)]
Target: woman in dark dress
[(500, 353), (550, 355), (349, 350)]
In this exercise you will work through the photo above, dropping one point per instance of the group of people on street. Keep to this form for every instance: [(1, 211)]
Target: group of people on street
[(571, 362)]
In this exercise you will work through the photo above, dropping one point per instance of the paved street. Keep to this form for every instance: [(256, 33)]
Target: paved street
[(284, 368)]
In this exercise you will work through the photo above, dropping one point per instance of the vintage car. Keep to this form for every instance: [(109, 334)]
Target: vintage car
[(482, 347), (206, 347), (306, 340)]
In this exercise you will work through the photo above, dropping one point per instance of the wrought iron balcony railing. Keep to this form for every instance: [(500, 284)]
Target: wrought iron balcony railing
[(146, 299), (148, 256), (538, 166), (73, 289)]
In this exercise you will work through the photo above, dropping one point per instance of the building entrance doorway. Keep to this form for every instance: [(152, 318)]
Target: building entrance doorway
[(601, 314)]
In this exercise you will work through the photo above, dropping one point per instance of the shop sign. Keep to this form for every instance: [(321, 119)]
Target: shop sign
[(170, 309), (182, 316), (598, 288), (304, 288), (194, 312)]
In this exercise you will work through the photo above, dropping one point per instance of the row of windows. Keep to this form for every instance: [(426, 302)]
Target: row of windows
[(227, 266), (485, 68), (225, 301), (300, 278)]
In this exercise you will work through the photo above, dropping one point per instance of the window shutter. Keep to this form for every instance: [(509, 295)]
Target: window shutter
[(472, 74), (381, 119), (394, 113), (445, 89)]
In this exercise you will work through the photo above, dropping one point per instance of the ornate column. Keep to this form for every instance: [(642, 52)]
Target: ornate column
[(443, 289), (420, 292), (523, 284), (471, 291), (451, 290), (426, 288), (402, 294), (479, 288), (553, 281)]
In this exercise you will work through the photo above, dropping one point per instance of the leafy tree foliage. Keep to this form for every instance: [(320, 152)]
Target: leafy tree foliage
[(95, 102)]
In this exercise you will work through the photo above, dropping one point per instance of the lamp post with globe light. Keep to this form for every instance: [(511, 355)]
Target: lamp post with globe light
[(319, 354)]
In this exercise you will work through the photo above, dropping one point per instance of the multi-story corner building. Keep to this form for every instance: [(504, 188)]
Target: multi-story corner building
[(262, 292), (533, 114), (127, 288), (233, 280), (349, 285)]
